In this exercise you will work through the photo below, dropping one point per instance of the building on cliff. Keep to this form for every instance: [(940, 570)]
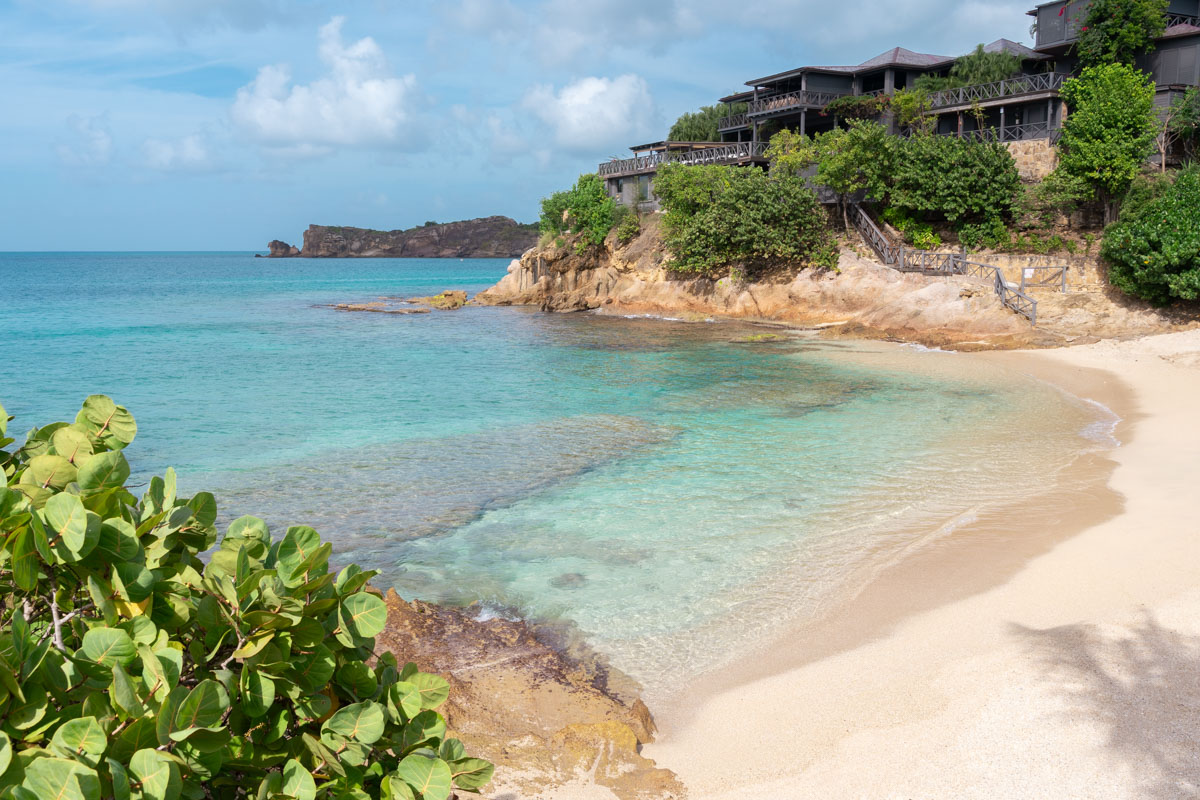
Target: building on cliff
[(1025, 112)]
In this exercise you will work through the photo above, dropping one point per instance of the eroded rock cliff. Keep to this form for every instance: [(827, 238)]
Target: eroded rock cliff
[(489, 237)]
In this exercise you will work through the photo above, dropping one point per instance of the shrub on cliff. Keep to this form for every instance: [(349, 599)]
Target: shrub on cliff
[(742, 219), (131, 669), (585, 208), (1154, 249), (962, 180), (1109, 132)]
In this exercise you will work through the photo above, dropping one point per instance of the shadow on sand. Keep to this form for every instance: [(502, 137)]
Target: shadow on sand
[(1143, 688)]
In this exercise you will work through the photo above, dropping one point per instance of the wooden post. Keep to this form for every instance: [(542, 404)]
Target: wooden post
[(960, 124), (1002, 123), (803, 121)]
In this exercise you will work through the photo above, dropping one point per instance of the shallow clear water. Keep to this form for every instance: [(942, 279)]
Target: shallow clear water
[(671, 491)]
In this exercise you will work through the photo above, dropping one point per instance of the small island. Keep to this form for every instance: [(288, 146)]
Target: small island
[(487, 237)]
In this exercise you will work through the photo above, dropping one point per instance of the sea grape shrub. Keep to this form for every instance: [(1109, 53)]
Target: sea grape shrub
[(962, 180), (1154, 248), (585, 208), (131, 669), (717, 217)]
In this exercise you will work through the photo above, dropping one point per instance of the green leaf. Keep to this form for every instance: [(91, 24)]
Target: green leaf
[(258, 692), (107, 421), (434, 689), (158, 775), (25, 561), (428, 777), (5, 742), (204, 508), (124, 696), (25, 714), (108, 646), (425, 729), (66, 519), (363, 615), (61, 779), (3, 427), (471, 774), (104, 471), (120, 779), (298, 781), (136, 584), (203, 706), (298, 543), (72, 443), (50, 471), (406, 697), (82, 740), (363, 722)]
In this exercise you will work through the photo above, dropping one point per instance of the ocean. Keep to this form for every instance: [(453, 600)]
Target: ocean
[(669, 491)]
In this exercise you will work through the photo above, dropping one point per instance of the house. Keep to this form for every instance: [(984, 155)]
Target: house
[(1026, 108)]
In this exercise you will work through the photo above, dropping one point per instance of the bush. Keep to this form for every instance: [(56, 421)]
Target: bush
[(979, 66), (1118, 31), (1154, 250), (960, 179), (585, 208), (129, 668), (992, 234), (1059, 193), (1109, 132), (703, 125), (851, 106), (739, 217), (917, 233), (628, 225)]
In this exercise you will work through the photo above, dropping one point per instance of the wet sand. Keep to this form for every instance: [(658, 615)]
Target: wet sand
[(1051, 649)]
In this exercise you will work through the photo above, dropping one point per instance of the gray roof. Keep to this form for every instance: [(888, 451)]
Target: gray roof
[(896, 57), (1016, 48)]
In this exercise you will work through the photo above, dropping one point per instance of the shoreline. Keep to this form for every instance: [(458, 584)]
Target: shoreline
[(930, 682)]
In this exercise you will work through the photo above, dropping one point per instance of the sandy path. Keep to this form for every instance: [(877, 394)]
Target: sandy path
[(1076, 677)]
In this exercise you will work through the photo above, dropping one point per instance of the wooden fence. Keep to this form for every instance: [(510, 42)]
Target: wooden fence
[(998, 90)]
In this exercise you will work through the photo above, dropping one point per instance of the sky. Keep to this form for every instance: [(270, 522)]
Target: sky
[(223, 124)]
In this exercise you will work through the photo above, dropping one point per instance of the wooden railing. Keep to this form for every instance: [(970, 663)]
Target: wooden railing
[(905, 259), (1012, 87), (784, 102), (733, 122), (1011, 133), (1182, 19), (1044, 277), (732, 153)]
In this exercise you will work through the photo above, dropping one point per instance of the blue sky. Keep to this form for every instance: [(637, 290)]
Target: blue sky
[(222, 124)]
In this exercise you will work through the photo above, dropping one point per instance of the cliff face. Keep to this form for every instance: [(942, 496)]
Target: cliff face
[(490, 237), (863, 298)]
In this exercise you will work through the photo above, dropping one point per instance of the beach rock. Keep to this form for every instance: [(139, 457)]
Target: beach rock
[(488, 237), (378, 307), (547, 713), (280, 249), (446, 301)]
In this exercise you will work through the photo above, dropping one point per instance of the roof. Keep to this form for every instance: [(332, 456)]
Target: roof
[(739, 97), (1016, 48), (1176, 31), (896, 57), (669, 145)]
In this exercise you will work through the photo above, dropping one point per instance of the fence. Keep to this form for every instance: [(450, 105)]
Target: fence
[(998, 90), (907, 260), (732, 153), (1012, 133)]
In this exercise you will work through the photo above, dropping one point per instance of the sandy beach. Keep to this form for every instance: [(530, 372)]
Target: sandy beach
[(1058, 660)]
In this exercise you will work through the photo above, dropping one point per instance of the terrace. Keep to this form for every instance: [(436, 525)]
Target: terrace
[(1024, 88), (649, 157)]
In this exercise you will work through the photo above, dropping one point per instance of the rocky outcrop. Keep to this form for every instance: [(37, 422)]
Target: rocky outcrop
[(490, 237), (546, 715), (280, 249), (448, 300)]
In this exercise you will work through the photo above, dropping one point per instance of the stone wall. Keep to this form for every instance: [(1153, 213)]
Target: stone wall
[(1036, 158), (1085, 271)]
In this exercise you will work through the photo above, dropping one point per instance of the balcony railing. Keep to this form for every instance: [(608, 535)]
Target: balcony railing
[(983, 92), (777, 104), (1012, 133), (1182, 19), (733, 122), (732, 153)]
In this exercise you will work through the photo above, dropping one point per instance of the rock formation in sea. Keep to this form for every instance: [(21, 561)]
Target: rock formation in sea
[(489, 237), (546, 714), (280, 249)]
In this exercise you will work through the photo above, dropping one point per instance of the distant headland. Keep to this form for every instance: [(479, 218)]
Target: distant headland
[(488, 237)]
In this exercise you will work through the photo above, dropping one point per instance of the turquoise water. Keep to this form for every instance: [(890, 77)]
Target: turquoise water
[(673, 493)]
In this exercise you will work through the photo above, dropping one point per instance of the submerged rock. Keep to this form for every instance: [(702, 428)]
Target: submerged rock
[(569, 580), (546, 718), (446, 301), (378, 307)]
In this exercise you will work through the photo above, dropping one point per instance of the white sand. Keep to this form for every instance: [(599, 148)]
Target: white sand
[(1077, 677)]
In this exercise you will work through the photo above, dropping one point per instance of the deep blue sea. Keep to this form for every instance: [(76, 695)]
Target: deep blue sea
[(670, 490)]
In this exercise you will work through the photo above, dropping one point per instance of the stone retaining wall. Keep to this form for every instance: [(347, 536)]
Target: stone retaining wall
[(1036, 158)]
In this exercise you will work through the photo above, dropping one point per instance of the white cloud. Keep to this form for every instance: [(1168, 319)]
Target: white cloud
[(359, 102), (92, 142), (187, 154), (592, 114)]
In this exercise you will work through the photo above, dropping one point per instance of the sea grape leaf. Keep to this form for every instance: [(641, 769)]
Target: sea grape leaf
[(107, 421), (428, 776), (5, 742), (425, 728), (158, 775), (104, 471), (49, 471), (364, 615), (82, 740), (257, 692), (108, 646), (51, 778), (363, 722), (471, 774), (66, 519), (124, 697), (25, 560), (72, 443), (120, 779), (298, 781), (203, 706), (434, 689)]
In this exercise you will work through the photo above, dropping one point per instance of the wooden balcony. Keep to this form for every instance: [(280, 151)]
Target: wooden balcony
[(731, 153), (1011, 133), (1026, 87), (733, 123), (792, 101)]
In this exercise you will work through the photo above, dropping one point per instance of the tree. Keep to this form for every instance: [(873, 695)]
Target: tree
[(975, 68), (1118, 31), (789, 151), (1109, 132), (584, 208), (742, 219), (1154, 251), (1185, 120), (912, 107), (857, 158), (962, 180), (703, 125)]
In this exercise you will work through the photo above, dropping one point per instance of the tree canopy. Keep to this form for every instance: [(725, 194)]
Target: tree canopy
[(977, 67), (703, 125), (1118, 31)]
